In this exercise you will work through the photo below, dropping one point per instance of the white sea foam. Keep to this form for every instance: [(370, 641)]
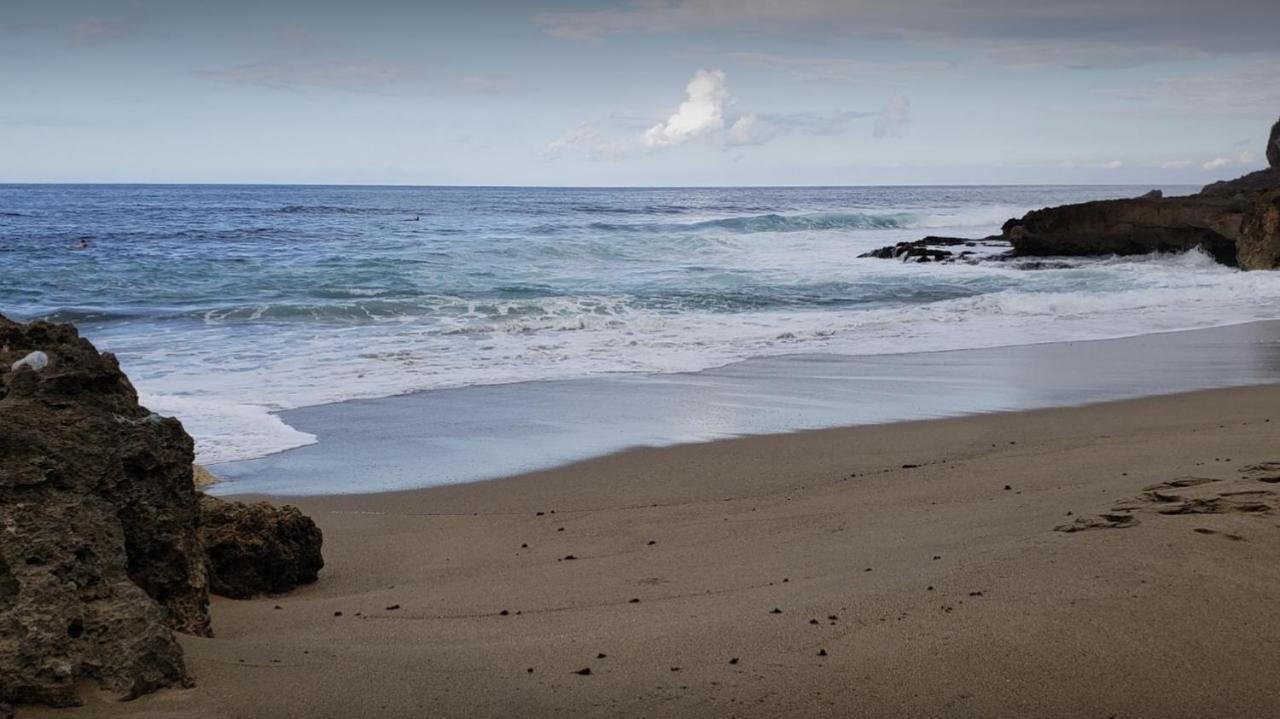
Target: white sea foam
[(562, 338)]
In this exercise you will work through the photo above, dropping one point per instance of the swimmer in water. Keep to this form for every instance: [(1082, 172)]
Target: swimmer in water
[(82, 245)]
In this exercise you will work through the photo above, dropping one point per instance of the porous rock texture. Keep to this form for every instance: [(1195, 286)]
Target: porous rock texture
[(1259, 244), (258, 548), (99, 555)]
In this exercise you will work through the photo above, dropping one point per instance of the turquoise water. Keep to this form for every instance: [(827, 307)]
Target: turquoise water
[(227, 304)]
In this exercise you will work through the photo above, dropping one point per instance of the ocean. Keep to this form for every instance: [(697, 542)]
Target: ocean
[(228, 304)]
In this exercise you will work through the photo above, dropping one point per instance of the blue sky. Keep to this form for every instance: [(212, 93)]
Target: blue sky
[(660, 92)]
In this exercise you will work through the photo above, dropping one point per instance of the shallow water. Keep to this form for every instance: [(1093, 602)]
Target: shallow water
[(476, 433), (227, 304)]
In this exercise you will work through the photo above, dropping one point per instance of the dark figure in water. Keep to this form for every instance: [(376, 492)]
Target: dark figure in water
[(416, 218), (82, 245)]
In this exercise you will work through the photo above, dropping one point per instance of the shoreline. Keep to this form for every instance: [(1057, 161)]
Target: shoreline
[(915, 570), (546, 424)]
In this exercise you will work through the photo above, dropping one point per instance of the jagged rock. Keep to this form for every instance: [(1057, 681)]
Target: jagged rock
[(1130, 227), (99, 558), (1273, 147), (1250, 183), (1153, 195), (927, 249), (1259, 245), (258, 548)]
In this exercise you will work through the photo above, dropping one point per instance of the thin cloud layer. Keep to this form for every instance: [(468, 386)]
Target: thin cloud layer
[(1085, 33)]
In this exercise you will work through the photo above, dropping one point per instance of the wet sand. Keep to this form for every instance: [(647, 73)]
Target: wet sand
[(477, 433), (902, 570)]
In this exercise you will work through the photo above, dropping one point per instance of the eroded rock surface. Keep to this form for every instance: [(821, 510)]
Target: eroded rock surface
[(99, 556), (258, 548), (1131, 227), (1259, 245)]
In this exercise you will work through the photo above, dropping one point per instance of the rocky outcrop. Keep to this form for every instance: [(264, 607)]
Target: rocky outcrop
[(1214, 219), (1273, 147), (258, 548), (99, 557), (1244, 185), (930, 249), (1259, 245), (1131, 227), (102, 556)]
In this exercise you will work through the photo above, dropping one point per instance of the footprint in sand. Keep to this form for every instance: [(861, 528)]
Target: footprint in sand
[(1190, 495), (1268, 472)]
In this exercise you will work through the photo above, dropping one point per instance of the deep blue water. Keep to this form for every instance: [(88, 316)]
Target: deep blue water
[(226, 303)]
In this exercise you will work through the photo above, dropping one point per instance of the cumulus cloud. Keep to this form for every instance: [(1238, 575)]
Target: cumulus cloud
[(705, 115), (893, 118), (1088, 33), (701, 112)]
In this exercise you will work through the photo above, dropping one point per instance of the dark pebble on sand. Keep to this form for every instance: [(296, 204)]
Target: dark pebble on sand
[(541, 513), (560, 529), (652, 542), (585, 672), (975, 594), (337, 614), (822, 652), (775, 610), (936, 557), (393, 607), (524, 546), (530, 670), (633, 600), (278, 607), (1007, 488), (503, 613), (813, 621), (733, 661), (568, 557), (910, 466), (832, 617)]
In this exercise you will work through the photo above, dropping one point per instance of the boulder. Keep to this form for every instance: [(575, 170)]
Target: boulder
[(1259, 245), (100, 559), (258, 548), (1131, 227)]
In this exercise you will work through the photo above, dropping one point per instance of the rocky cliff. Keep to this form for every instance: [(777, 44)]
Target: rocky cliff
[(1214, 219)]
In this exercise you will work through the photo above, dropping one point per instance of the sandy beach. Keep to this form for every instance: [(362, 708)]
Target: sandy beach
[(909, 570)]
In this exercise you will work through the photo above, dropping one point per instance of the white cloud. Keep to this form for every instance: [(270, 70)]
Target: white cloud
[(749, 130), (704, 115), (701, 112), (894, 118), (1215, 163)]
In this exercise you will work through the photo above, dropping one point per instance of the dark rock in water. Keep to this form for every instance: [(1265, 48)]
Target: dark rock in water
[(1273, 147), (1259, 244), (1130, 227), (258, 548), (927, 249), (1153, 195), (99, 560)]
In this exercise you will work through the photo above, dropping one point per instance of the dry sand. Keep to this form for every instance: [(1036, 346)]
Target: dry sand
[(814, 574)]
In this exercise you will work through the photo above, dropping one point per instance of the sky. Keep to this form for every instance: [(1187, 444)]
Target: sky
[(648, 93)]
